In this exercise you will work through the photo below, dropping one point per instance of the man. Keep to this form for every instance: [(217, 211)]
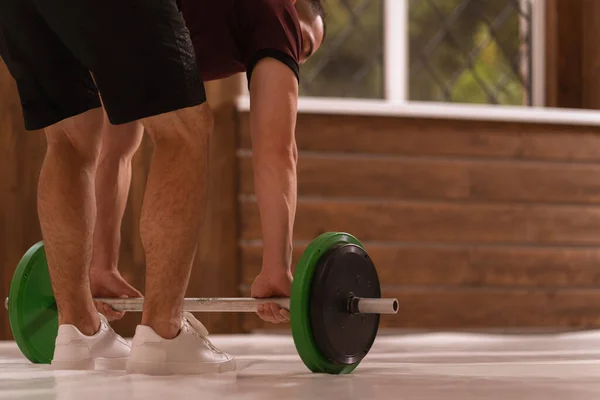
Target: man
[(144, 68), (268, 39)]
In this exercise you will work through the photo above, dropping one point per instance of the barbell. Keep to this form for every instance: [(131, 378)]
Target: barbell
[(335, 305)]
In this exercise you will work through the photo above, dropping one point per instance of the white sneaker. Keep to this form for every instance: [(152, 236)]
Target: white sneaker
[(102, 351), (190, 352)]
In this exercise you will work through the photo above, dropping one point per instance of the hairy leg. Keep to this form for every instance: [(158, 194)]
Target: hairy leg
[(113, 179), (67, 213), (172, 212)]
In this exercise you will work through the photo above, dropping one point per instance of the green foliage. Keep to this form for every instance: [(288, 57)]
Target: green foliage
[(352, 55), (350, 64), (471, 63)]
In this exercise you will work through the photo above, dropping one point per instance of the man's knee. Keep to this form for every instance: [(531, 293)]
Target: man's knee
[(190, 127), (120, 142), (78, 138)]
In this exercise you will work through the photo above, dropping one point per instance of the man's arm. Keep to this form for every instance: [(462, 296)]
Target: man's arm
[(274, 103)]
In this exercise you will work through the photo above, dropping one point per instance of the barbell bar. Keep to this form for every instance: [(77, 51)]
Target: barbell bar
[(356, 305), (335, 305)]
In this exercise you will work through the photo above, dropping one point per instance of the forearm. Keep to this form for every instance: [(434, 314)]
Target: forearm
[(274, 99), (276, 192)]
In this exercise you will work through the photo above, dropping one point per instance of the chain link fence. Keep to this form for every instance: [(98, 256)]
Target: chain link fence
[(466, 51)]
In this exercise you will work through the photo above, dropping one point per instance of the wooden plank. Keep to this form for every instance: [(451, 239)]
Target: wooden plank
[(551, 78), (439, 137), (325, 175), (545, 183), (572, 58), (21, 156), (590, 54), (564, 46), (10, 130), (438, 222), (424, 265), (473, 309)]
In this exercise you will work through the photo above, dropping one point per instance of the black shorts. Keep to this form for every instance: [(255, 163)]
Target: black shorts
[(139, 53)]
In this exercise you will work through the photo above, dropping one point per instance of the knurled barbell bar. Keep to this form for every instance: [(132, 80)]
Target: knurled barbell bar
[(335, 305)]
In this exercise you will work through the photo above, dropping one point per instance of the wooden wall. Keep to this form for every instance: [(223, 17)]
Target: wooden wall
[(20, 163), (470, 224), (572, 54)]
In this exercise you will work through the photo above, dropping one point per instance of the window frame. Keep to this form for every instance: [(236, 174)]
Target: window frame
[(396, 55)]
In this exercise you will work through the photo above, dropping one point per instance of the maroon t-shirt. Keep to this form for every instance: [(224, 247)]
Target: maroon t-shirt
[(232, 36)]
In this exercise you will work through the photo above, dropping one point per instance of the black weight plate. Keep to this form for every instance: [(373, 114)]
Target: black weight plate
[(343, 272)]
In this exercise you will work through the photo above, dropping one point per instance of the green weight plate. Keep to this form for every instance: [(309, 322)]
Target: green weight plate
[(31, 307), (305, 344)]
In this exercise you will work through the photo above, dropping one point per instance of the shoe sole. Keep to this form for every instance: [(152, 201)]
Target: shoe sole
[(179, 368), (99, 364)]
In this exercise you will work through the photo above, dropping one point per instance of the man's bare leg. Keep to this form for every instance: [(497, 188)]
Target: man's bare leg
[(67, 213), (172, 212), (113, 179)]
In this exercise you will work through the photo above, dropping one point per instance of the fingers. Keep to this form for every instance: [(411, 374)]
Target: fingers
[(110, 286), (130, 291), (265, 313), (111, 314), (285, 314), (108, 311), (126, 290), (273, 313)]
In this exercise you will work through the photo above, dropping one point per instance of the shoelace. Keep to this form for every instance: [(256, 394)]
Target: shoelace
[(195, 326), (198, 329)]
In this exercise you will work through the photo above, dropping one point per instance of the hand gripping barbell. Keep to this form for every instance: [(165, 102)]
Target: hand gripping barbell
[(335, 305)]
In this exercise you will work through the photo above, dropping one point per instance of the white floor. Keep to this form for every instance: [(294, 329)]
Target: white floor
[(433, 366)]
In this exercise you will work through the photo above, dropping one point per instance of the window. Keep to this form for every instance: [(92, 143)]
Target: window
[(351, 61), (462, 51)]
